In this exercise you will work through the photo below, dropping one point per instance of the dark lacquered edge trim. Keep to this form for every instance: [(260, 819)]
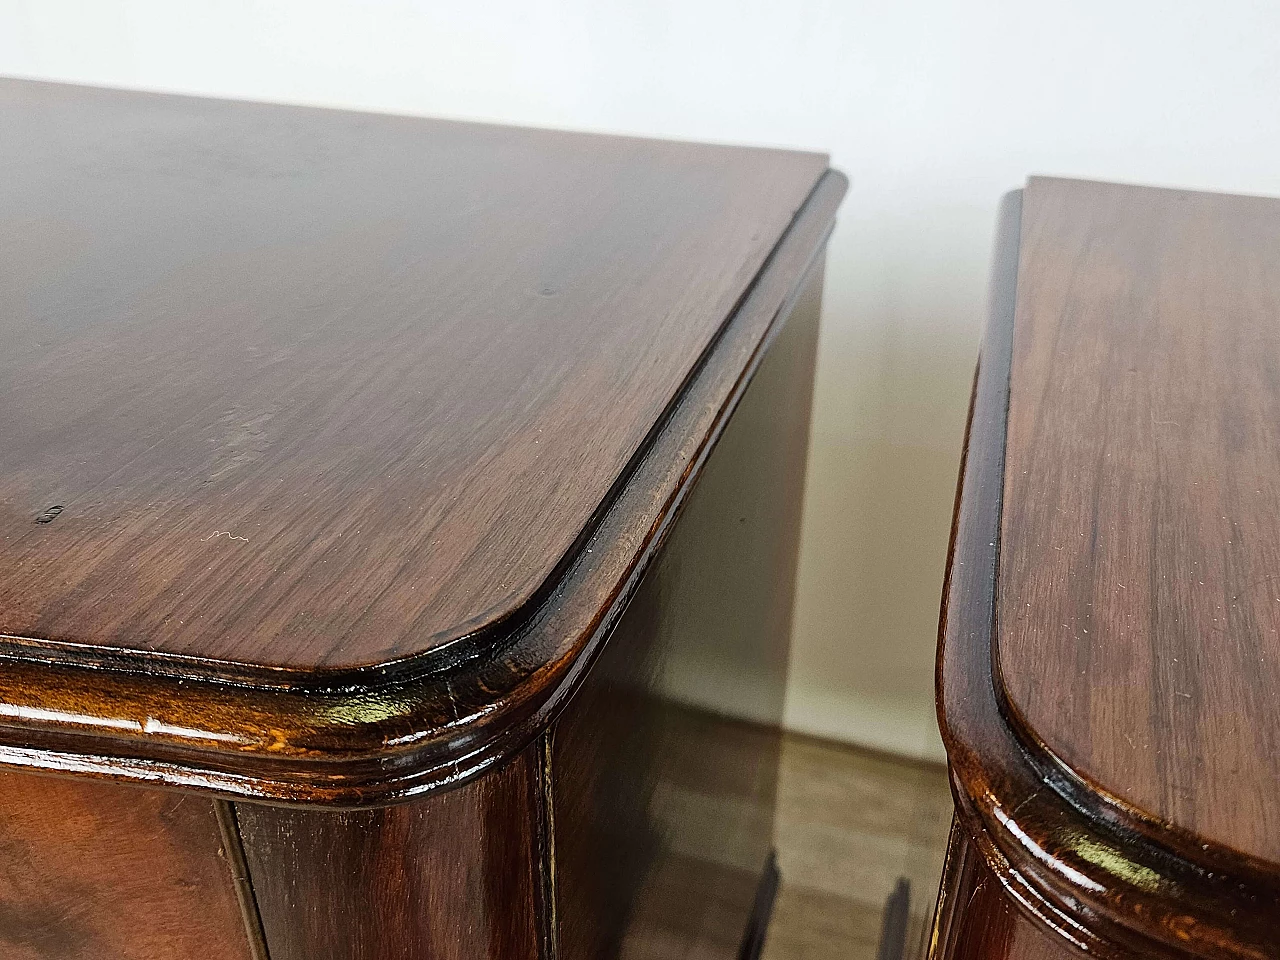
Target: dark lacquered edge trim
[(1111, 881), (944, 926), (233, 848), (548, 889), (400, 730)]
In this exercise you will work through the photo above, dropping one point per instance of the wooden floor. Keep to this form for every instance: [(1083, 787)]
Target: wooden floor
[(849, 824)]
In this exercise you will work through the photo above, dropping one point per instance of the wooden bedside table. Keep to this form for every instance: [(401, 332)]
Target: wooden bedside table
[(384, 502), (1110, 640)]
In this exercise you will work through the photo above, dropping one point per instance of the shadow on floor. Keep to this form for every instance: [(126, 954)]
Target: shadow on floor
[(850, 825)]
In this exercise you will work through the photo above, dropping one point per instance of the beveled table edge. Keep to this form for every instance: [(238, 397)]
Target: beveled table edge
[(391, 732), (1110, 879)]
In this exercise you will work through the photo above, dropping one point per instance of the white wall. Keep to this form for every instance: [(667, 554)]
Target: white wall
[(933, 109)]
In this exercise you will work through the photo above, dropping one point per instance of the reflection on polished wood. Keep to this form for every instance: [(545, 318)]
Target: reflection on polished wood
[(453, 876), (978, 921), (1107, 635), (640, 870)]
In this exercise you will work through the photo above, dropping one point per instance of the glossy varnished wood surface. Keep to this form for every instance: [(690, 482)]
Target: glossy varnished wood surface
[(96, 871), (454, 876), (1139, 598), (429, 721), (663, 823), (1094, 871), (317, 390), (977, 920)]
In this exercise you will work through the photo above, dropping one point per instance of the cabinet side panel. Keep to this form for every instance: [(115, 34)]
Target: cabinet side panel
[(101, 871), (663, 804), (450, 876)]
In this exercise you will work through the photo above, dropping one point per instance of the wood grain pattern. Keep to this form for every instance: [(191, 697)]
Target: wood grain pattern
[(664, 822), (1077, 861), (448, 877), (430, 721), (94, 871), (316, 390), (1139, 605)]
